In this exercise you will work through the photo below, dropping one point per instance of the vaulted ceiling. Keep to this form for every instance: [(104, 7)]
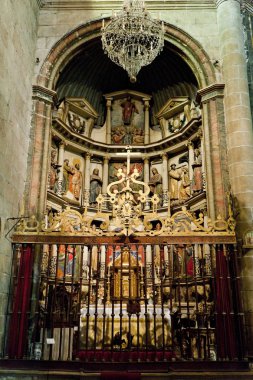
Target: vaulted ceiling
[(90, 74)]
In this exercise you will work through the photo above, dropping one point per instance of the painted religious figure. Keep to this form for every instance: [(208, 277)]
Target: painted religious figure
[(127, 122), (127, 135), (95, 186), (128, 110)]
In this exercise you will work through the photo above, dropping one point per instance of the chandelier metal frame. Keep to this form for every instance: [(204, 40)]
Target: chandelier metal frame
[(132, 39)]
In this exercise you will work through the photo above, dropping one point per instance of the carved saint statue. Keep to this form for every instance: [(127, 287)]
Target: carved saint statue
[(174, 181), (184, 190), (197, 184), (67, 173), (76, 182), (95, 186), (155, 183), (53, 171)]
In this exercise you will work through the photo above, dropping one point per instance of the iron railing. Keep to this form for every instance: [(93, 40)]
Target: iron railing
[(124, 301)]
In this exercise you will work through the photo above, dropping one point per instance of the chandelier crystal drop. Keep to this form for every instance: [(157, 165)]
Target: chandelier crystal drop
[(132, 39)]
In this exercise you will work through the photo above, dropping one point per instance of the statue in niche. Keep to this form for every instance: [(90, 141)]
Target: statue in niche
[(155, 183), (76, 123), (67, 173), (76, 181), (175, 177), (95, 186), (197, 183), (128, 110), (53, 171), (184, 189)]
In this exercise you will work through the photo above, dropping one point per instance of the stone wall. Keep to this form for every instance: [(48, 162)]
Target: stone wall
[(18, 33), (248, 25), (198, 20)]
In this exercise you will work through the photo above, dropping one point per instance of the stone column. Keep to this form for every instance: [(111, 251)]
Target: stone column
[(146, 122), (164, 127), (237, 107), (239, 136), (202, 150), (108, 120), (215, 164), (105, 175), (146, 178), (165, 180), (87, 179), (191, 159), (60, 163), (36, 190)]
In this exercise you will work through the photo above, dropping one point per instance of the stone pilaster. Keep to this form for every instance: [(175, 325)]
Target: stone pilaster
[(214, 143), (87, 179), (165, 180), (108, 120), (105, 175), (146, 177), (60, 163), (146, 121), (191, 159), (41, 137), (237, 108)]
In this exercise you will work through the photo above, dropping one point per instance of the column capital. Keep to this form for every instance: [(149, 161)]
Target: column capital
[(219, 2), (189, 144), (200, 133), (106, 158), (146, 104), (88, 155), (211, 92), (164, 156), (109, 102), (146, 159), (44, 94), (62, 143)]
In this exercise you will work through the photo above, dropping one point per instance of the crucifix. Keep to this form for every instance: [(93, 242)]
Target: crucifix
[(128, 154)]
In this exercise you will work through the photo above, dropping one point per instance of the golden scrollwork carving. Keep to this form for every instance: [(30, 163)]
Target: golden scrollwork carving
[(126, 215)]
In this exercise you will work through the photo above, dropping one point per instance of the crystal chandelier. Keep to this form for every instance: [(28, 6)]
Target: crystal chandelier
[(132, 39)]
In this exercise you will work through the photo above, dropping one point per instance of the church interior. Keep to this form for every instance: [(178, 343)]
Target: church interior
[(126, 200)]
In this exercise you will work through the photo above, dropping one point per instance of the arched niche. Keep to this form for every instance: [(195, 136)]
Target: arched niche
[(70, 46)]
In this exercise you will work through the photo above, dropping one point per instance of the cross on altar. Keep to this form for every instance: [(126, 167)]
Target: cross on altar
[(128, 154)]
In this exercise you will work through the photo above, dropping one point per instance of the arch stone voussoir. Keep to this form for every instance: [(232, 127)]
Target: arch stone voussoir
[(66, 48)]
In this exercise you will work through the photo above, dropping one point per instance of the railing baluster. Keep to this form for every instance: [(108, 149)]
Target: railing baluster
[(146, 297), (105, 299), (154, 294), (88, 298), (112, 300), (161, 282)]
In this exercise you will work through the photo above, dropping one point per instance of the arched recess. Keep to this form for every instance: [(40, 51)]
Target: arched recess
[(44, 91), (70, 45)]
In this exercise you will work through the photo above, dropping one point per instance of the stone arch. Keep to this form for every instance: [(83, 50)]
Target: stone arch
[(71, 43), (58, 57)]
